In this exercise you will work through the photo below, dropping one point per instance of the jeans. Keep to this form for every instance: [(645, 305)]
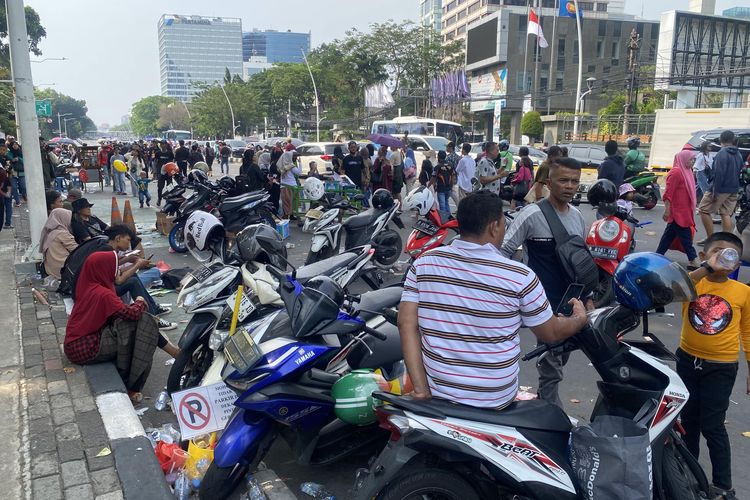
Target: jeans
[(550, 368), (710, 386), (149, 276), (7, 204), (135, 288), (673, 231), (443, 201), (119, 185), (702, 181), (106, 174), (224, 163), (144, 196), (18, 191)]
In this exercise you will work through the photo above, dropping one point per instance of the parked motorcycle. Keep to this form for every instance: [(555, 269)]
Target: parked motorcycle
[(368, 228), (452, 451), (433, 227), (647, 189)]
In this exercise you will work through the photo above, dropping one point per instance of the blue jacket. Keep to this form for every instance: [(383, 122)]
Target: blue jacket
[(727, 166), (612, 168)]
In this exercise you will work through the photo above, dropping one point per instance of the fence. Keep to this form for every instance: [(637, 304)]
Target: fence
[(602, 128)]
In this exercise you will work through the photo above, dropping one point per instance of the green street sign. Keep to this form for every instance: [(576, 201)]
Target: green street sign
[(44, 108)]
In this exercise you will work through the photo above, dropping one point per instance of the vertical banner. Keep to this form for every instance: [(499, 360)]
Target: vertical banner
[(496, 120)]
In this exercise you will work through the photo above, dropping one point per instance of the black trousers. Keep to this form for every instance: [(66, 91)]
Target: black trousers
[(163, 179), (710, 385), (685, 235)]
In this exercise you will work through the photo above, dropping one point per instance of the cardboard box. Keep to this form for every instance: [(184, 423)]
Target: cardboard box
[(282, 227), (164, 223)]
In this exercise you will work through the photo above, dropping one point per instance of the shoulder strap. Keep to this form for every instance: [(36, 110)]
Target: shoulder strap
[(559, 233)]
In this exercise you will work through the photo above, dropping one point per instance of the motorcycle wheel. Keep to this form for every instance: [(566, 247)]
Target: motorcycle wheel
[(604, 294), (323, 253), (678, 479), (430, 483), (189, 367), (220, 482), (650, 201), (177, 238)]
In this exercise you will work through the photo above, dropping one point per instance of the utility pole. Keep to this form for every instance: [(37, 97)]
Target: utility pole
[(633, 45), (26, 116)]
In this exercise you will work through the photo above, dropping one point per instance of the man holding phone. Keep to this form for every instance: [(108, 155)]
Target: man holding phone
[(463, 306)]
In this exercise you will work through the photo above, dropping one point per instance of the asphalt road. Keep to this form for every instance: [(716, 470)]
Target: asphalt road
[(578, 391)]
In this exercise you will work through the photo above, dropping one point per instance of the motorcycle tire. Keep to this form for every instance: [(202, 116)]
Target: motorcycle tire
[(388, 247), (177, 238), (679, 481), (323, 253), (189, 367), (429, 483), (604, 293), (650, 201)]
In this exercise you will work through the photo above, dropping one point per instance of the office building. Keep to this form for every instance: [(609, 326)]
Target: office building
[(197, 49), (737, 12), (430, 14), (275, 46)]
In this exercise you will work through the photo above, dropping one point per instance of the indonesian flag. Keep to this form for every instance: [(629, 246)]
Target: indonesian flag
[(535, 29)]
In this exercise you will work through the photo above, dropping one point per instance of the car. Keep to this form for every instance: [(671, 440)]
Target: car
[(238, 147), (421, 143), (712, 136), (537, 155), (321, 153), (589, 155)]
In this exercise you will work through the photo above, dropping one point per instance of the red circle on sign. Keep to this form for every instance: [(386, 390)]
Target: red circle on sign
[(186, 419)]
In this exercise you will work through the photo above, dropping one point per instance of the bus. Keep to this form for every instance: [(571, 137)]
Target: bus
[(176, 135), (420, 126)]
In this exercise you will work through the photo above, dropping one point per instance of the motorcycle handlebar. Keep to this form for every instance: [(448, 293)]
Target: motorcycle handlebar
[(378, 335), (536, 352)]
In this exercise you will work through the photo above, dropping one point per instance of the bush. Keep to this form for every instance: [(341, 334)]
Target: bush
[(531, 125)]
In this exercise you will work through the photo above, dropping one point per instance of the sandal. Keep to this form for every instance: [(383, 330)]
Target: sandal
[(135, 397)]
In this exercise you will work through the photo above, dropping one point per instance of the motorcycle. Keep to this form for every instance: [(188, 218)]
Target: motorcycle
[(285, 383), (454, 451), (431, 230), (647, 189)]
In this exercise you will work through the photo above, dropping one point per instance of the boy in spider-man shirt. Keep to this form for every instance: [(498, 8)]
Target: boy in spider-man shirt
[(713, 327)]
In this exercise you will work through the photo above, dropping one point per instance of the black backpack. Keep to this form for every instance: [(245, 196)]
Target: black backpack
[(74, 263)]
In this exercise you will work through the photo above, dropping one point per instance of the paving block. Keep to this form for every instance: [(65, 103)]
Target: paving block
[(70, 450), (63, 415), (40, 425), (39, 410), (105, 481), (80, 492), (58, 387), (47, 328), (53, 375), (53, 364), (47, 488), (84, 404), (42, 442), (67, 432), (34, 371), (112, 495), (45, 464), (43, 314), (98, 463), (74, 473), (60, 401)]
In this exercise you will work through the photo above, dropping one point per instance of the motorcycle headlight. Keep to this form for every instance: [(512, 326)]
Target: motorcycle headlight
[(608, 230), (217, 339), (209, 289), (416, 251)]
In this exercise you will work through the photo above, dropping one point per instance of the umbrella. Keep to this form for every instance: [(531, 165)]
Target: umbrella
[(63, 140), (386, 140)]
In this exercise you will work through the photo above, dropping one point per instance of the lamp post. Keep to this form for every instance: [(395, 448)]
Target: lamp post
[(50, 59), (59, 121), (231, 110), (65, 125), (580, 69), (590, 84), (579, 104), (317, 102)]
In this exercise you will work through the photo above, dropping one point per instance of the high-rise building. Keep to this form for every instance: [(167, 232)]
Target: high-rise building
[(197, 49), (275, 46), (430, 12), (737, 12)]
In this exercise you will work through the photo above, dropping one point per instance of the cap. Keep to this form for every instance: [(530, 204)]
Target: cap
[(626, 188), (74, 193), (81, 203)]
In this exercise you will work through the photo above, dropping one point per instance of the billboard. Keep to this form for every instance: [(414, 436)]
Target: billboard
[(488, 87), (486, 42)]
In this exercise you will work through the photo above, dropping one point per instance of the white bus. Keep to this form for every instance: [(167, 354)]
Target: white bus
[(420, 126), (176, 135)]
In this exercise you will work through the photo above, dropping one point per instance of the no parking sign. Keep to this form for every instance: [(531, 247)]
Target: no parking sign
[(201, 410)]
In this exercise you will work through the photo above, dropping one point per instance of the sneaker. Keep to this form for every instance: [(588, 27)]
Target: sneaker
[(148, 204), (163, 310), (719, 494), (141, 205), (165, 325), (8, 226)]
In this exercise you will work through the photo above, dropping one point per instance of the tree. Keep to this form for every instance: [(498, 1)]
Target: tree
[(531, 125), (33, 27), (173, 116), (78, 122), (144, 115)]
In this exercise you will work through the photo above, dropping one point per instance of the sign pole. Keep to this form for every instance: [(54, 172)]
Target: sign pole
[(236, 311)]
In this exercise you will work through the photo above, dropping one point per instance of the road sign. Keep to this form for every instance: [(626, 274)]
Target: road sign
[(202, 410), (44, 107)]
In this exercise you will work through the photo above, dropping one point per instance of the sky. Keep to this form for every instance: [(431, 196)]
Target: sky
[(111, 45)]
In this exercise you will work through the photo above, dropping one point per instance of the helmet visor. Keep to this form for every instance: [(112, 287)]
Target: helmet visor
[(674, 277)]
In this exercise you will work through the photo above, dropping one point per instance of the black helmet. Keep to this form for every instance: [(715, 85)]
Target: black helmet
[(227, 183), (261, 243), (634, 142), (328, 287), (602, 192), (382, 199), (197, 176), (503, 145)]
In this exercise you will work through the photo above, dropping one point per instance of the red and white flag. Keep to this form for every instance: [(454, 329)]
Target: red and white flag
[(535, 29)]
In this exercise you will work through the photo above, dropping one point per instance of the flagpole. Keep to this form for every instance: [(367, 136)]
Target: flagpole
[(580, 70), (525, 51), (536, 55), (552, 54)]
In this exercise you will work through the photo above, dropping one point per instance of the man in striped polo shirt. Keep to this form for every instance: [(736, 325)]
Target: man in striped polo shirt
[(463, 306)]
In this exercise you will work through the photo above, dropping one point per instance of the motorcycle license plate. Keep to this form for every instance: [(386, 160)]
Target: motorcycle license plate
[(603, 253), (202, 273), (241, 351), (246, 304), (426, 227), (314, 213)]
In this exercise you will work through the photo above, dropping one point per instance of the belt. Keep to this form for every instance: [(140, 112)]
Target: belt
[(698, 362)]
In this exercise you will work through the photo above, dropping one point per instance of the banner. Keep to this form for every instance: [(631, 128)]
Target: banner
[(498, 114), (488, 87), (378, 96)]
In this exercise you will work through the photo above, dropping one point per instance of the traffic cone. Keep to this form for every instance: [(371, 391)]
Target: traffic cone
[(127, 218), (116, 217)]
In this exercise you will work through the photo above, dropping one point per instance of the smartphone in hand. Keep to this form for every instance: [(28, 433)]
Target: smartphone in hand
[(574, 291)]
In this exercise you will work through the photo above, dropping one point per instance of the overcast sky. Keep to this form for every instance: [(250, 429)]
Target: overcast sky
[(112, 52)]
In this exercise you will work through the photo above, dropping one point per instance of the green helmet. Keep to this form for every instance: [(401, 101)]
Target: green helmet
[(353, 396)]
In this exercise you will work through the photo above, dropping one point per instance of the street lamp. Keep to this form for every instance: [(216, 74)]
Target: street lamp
[(579, 104), (317, 102), (59, 121), (231, 110), (50, 59), (65, 124)]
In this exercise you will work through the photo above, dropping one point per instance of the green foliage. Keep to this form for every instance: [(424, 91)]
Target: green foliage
[(144, 116), (78, 121), (531, 125)]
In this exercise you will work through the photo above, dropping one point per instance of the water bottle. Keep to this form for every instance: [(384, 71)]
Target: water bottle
[(161, 400), (317, 491), (254, 491), (182, 487), (729, 258)]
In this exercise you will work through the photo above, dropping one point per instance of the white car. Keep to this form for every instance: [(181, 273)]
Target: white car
[(321, 153)]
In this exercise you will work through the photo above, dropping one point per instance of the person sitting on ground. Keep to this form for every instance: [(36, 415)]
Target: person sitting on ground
[(84, 224), (54, 200), (713, 328), (102, 328), (56, 242), (462, 307), (73, 195)]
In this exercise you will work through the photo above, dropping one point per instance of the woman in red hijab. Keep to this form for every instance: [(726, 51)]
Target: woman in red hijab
[(679, 206), (103, 328)]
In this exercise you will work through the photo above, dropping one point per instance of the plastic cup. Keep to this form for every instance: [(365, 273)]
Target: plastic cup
[(178, 459)]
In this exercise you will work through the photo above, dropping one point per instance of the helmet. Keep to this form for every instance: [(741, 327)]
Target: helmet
[(120, 166), (382, 199), (503, 145), (328, 287), (313, 188), (634, 142), (227, 183), (647, 280), (170, 168), (352, 394), (201, 165), (261, 243), (204, 235), (197, 176), (602, 191), (420, 199)]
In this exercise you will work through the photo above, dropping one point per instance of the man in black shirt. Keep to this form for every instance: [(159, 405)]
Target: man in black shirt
[(353, 165), (181, 157), (163, 156)]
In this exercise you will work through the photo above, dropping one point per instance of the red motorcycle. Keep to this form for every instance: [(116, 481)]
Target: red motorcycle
[(433, 226)]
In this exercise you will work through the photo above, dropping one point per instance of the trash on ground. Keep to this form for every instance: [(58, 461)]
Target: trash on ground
[(746, 434), (317, 491), (141, 411), (104, 452), (575, 401), (69, 369), (254, 489), (161, 401)]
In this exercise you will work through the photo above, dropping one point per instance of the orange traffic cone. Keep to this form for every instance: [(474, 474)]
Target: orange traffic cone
[(116, 217), (127, 218)]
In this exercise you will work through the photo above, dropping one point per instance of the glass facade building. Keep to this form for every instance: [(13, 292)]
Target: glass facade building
[(275, 46), (195, 49)]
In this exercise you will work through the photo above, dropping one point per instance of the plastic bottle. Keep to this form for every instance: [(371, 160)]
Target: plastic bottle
[(317, 491), (182, 487), (170, 434), (254, 491), (729, 258), (161, 400)]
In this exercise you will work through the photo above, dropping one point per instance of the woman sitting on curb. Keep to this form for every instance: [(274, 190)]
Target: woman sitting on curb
[(56, 242)]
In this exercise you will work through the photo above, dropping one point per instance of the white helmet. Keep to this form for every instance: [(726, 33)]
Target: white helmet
[(313, 188), (421, 199)]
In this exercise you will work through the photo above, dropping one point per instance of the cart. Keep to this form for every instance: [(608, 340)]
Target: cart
[(89, 171)]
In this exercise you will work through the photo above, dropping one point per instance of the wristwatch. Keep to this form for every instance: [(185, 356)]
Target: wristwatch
[(707, 267)]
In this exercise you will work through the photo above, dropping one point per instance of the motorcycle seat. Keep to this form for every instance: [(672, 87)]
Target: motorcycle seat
[(378, 300), (234, 202), (533, 414), (324, 267), (364, 219)]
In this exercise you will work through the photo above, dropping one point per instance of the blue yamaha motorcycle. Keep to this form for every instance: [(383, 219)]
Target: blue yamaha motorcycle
[(284, 381)]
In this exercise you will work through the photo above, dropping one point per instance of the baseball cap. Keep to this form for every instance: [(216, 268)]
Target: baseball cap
[(81, 203)]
